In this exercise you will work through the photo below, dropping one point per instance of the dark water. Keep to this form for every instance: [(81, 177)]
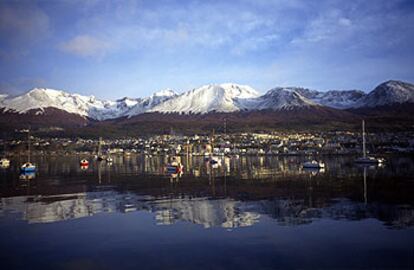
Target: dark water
[(249, 213)]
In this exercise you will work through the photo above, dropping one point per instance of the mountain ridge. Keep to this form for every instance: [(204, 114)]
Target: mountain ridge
[(210, 98)]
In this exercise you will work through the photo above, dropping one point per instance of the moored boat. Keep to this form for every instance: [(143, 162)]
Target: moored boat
[(314, 164), (175, 167), (4, 162), (367, 159), (28, 167), (84, 162), (99, 155)]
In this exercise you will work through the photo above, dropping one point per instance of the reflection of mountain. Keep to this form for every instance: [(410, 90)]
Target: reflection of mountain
[(226, 213), (209, 213)]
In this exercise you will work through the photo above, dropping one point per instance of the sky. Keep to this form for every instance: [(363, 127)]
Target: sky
[(113, 49)]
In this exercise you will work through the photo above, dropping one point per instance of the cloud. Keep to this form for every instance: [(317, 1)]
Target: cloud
[(22, 23), (86, 46), (200, 25)]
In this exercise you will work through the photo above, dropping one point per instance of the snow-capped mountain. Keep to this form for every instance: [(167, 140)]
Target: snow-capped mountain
[(41, 98), (279, 99), (86, 106), (388, 93), (145, 104), (338, 99), (208, 98)]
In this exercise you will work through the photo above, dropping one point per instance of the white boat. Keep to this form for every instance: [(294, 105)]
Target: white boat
[(4, 162), (367, 159), (314, 164), (28, 168), (84, 162), (100, 157)]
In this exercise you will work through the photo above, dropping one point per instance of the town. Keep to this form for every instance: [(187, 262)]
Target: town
[(322, 143)]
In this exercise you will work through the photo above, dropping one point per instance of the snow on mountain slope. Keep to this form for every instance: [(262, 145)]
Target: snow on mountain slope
[(86, 106), (145, 104), (208, 98), (388, 93), (40, 98), (338, 99), (280, 98)]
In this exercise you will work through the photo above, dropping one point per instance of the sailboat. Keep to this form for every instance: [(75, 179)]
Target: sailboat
[(314, 164), (175, 167), (4, 162), (28, 167), (100, 157), (211, 159), (366, 159)]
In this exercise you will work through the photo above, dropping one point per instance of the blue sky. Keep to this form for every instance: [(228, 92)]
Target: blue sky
[(112, 49)]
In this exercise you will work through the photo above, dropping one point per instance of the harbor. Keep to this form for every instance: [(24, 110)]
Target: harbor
[(144, 208)]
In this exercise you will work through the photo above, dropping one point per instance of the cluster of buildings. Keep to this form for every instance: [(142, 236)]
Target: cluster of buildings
[(221, 144)]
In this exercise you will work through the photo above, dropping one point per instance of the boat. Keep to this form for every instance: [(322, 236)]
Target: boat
[(28, 167), (109, 159), (4, 162), (214, 160), (174, 167), (314, 164), (99, 156), (84, 162), (367, 159)]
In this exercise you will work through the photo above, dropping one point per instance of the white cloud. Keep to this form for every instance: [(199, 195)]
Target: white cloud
[(86, 46)]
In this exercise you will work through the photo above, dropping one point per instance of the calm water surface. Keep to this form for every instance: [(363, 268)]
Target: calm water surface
[(249, 213)]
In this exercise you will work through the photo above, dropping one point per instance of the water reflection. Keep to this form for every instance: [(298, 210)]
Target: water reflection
[(226, 213), (239, 193)]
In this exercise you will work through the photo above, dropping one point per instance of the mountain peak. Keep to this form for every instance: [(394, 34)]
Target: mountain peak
[(400, 85), (389, 92), (208, 98), (225, 97), (165, 93)]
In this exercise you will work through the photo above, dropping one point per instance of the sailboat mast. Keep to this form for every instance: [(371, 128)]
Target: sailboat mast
[(28, 145), (363, 139), (212, 142), (99, 147)]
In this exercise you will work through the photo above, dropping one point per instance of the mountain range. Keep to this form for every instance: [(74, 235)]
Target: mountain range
[(49, 107)]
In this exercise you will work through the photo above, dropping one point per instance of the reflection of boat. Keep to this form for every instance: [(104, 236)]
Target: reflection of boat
[(84, 167), (4, 162), (84, 162), (109, 159), (27, 175), (28, 167), (313, 164), (366, 159), (314, 170)]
